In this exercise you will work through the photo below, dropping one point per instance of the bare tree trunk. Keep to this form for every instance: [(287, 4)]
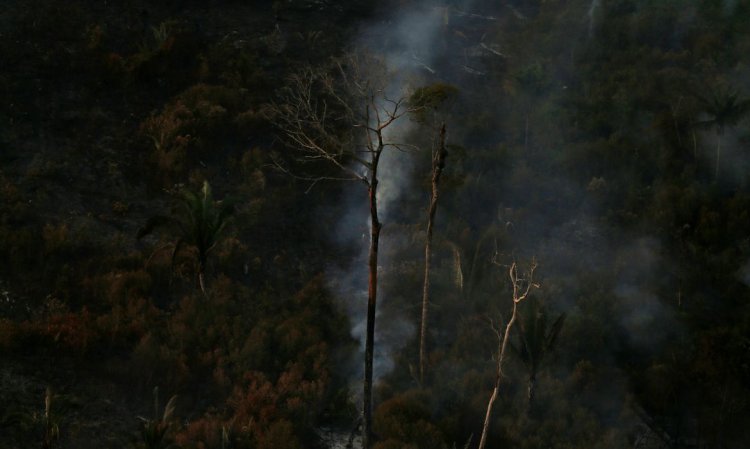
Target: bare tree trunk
[(438, 163), (372, 290), (202, 282), (498, 375), (518, 296), (531, 389), (202, 275), (458, 267), (354, 134)]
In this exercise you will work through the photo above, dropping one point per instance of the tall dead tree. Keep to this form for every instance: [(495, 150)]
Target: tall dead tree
[(521, 288), (431, 103), (343, 115), (439, 153)]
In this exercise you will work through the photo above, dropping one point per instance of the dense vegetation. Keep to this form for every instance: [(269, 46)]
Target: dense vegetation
[(149, 238)]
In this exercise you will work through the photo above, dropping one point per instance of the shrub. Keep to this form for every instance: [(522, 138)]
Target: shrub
[(406, 420), (189, 128), (279, 435), (8, 330), (155, 363)]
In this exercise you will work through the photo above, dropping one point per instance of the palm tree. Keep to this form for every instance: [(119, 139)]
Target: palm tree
[(725, 108), (536, 339), (199, 221)]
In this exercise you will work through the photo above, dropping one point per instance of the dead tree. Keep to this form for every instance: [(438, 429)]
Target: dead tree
[(431, 103), (521, 289), (439, 153), (343, 115)]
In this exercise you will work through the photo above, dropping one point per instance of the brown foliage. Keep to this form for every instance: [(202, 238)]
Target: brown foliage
[(406, 421), (188, 130)]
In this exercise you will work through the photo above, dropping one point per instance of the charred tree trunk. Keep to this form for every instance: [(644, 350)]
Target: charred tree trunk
[(438, 163), (372, 294), (338, 114)]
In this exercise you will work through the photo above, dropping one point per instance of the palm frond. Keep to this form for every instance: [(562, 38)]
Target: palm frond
[(555, 331), (536, 336), (169, 408), (197, 220), (725, 108)]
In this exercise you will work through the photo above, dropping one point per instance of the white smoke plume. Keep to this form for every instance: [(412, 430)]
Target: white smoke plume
[(406, 44)]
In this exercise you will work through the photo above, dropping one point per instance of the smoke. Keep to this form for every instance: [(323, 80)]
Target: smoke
[(561, 230), (421, 42), (395, 171), (406, 43), (648, 323), (591, 15)]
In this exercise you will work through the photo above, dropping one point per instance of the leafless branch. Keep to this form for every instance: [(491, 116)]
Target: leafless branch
[(339, 115), (313, 180), (521, 288)]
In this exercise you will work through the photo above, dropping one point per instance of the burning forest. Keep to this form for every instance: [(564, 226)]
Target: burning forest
[(426, 225)]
